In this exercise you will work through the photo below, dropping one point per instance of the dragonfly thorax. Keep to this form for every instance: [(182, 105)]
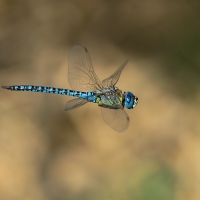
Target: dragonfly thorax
[(130, 101)]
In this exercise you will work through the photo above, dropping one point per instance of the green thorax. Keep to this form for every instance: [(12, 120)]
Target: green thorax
[(111, 99)]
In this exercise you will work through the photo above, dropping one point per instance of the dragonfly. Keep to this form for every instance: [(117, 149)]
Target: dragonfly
[(86, 87)]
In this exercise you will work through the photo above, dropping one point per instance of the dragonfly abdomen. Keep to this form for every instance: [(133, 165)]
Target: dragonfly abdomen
[(90, 96)]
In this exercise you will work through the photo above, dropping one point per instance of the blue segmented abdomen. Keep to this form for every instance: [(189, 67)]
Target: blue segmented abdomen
[(90, 96)]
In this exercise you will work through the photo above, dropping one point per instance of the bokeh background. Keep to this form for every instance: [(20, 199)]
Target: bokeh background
[(46, 153)]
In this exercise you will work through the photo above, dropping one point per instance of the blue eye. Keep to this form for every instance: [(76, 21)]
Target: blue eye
[(130, 100)]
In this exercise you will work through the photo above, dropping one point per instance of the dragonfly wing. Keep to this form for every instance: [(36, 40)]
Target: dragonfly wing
[(81, 75), (75, 103), (112, 80), (117, 119)]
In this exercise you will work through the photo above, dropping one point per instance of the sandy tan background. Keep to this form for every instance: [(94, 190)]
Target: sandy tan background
[(49, 154)]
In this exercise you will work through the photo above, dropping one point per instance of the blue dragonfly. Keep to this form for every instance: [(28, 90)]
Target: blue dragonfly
[(88, 88)]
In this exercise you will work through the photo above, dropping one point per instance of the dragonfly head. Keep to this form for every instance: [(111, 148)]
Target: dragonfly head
[(130, 100)]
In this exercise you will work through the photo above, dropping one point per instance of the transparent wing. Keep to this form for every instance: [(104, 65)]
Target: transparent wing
[(117, 119), (81, 75), (112, 80), (75, 103)]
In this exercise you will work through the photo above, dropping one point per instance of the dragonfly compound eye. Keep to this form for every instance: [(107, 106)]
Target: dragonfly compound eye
[(130, 100)]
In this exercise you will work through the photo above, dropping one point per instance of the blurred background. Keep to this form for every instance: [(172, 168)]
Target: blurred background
[(46, 153)]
